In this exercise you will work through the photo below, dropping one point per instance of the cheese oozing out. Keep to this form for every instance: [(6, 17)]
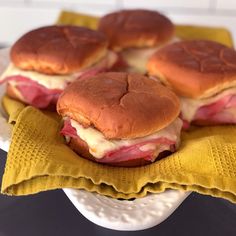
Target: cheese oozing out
[(99, 145), (137, 57), (48, 81), (190, 106), (55, 81)]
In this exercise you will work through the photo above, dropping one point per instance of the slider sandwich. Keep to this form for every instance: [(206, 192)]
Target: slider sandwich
[(44, 61), (121, 119), (203, 74), (136, 35)]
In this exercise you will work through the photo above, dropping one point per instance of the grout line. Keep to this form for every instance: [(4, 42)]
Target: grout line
[(211, 11), (52, 5), (198, 11)]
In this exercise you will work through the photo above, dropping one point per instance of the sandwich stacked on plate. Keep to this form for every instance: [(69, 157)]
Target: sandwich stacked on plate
[(136, 35), (203, 74), (46, 60), (120, 118)]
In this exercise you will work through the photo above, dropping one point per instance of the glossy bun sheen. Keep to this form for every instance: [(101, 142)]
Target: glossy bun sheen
[(136, 28), (195, 69), (59, 49), (120, 105)]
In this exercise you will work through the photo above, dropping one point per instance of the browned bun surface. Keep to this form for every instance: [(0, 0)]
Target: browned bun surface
[(59, 49), (120, 105), (81, 148), (136, 28), (195, 69)]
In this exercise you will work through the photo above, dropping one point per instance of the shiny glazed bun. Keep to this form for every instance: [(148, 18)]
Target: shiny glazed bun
[(120, 105), (59, 49), (136, 28), (195, 69)]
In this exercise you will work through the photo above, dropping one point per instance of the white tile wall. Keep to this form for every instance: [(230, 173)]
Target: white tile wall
[(10, 1), (15, 21), (78, 2), (19, 16), (226, 4), (203, 4)]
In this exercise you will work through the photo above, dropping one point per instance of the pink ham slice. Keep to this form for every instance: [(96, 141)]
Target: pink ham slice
[(92, 72), (126, 153), (39, 96), (33, 93), (217, 111), (68, 129), (133, 152), (186, 124)]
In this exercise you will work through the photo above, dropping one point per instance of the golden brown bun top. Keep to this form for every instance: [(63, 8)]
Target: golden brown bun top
[(119, 104), (196, 69), (59, 49), (136, 28)]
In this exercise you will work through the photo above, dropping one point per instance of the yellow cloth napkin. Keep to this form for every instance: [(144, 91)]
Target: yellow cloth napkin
[(39, 160), (218, 34), (74, 18), (12, 108)]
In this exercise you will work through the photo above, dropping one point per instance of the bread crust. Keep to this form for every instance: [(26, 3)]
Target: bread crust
[(59, 49), (136, 28), (120, 105), (195, 69)]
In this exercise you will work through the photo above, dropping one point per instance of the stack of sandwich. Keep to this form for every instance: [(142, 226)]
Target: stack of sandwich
[(127, 90)]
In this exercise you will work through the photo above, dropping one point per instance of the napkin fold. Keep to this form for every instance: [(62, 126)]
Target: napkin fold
[(39, 159)]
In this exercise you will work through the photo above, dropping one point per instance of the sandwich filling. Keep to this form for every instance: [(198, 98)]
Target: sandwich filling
[(113, 151), (40, 90), (219, 109), (137, 58)]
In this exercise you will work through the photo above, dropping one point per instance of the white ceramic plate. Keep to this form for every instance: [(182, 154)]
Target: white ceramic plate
[(110, 213)]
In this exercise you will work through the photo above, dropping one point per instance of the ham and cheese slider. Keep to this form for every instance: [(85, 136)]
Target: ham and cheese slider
[(136, 34), (203, 74), (119, 118), (44, 61)]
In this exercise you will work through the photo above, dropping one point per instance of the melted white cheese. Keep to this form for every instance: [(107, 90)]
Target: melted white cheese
[(48, 81), (99, 145), (137, 57), (190, 106), (57, 81)]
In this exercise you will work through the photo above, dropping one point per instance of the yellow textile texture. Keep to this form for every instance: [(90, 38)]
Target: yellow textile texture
[(39, 159), (74, 18), (12, 108)]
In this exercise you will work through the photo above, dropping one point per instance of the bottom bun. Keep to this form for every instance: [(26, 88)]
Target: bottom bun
[(81, 148)]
